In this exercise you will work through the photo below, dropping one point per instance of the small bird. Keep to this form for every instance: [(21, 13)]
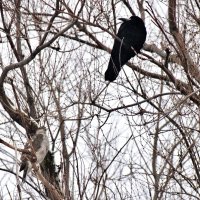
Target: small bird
[(40, 144), (132, 34)]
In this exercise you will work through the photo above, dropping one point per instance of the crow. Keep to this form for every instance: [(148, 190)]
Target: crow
[(130, 39)]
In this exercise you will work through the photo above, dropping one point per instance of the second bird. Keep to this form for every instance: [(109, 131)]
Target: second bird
[(132, 34)]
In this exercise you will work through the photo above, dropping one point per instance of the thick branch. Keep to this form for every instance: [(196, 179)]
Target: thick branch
[(55, 194), (187, 62)]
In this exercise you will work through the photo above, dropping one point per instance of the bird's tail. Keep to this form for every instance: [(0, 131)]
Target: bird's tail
[(24, 175), (112, 71), (24, 167)]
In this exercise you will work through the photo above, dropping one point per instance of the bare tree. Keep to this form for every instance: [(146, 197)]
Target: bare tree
[(135, 138)]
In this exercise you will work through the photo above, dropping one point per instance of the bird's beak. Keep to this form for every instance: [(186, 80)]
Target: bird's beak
[(123, 19)]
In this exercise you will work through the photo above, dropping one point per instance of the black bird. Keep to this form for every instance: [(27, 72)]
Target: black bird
[(132, 34)]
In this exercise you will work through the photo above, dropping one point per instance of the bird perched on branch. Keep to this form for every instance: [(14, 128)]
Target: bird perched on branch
[(130, 39), (38, 147)]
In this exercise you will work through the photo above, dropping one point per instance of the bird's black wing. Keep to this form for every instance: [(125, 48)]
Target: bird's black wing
[(118, 55)]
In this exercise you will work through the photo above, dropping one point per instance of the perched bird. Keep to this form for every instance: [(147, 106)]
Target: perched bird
[(132, 34), (40, 145)]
